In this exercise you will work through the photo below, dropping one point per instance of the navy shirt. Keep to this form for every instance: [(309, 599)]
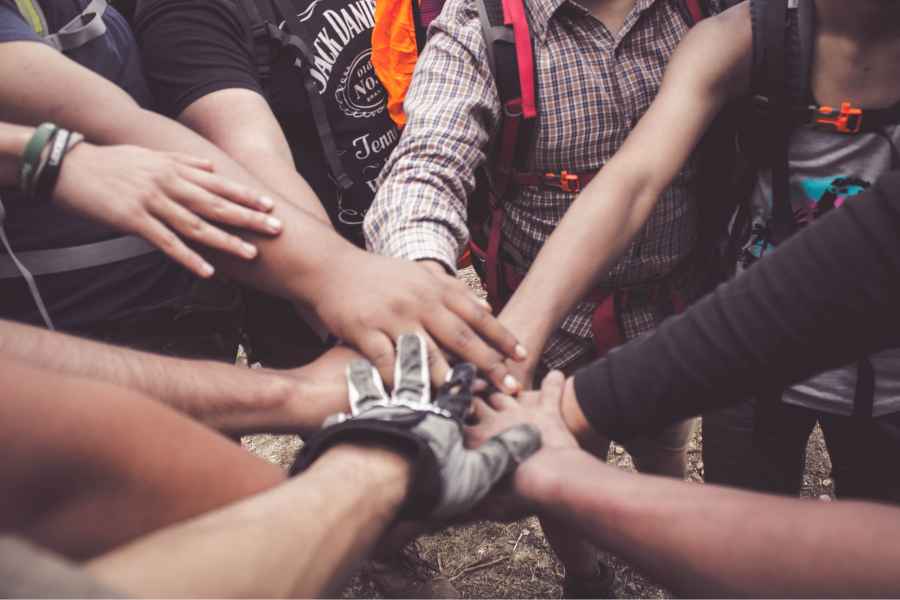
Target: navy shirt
[(79, 300)]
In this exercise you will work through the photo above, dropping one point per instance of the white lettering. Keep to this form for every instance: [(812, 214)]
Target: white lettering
[(334, 19), (366, 146)]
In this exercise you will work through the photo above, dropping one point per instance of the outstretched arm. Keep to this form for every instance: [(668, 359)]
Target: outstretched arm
[(825, 298), (368, 301), (699, 540), (299, 540), (713, 541), (226, 397), (612, 209)]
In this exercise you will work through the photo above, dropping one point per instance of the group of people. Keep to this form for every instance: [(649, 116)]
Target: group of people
[(213, 173)]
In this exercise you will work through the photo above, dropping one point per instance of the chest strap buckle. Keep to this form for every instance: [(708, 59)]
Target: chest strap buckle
[(844, 120), (565, 181)]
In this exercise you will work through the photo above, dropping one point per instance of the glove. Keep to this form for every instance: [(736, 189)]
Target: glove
[(448, 479)]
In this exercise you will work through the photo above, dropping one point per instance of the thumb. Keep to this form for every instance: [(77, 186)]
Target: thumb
[(480, 469), (515, 445)]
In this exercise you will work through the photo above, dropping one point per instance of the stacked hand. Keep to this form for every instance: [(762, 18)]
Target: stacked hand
[(381, 298), (448, 478), (541, 410), (165, 198)]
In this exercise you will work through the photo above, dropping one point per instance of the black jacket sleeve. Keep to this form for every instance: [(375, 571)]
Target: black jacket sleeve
[(192, 48), (826, 297)]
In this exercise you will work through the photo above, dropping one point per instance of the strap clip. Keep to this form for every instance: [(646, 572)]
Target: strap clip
[(844, 120), (565, 181)]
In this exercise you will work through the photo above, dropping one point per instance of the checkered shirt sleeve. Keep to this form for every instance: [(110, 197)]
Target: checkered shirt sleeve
[(452, 106)]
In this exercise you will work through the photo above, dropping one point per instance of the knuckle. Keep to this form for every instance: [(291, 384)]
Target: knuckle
[(169, 240), (196, 225), (464, 337)]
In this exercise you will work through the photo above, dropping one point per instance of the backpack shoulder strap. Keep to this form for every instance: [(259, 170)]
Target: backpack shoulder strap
[(259, 19), (774, 22), (507, 37), (693, 11), (510, 54), (292, 37), (85, 27)]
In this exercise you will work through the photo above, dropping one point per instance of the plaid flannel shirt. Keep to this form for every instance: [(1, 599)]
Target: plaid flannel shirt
[(593, 87)]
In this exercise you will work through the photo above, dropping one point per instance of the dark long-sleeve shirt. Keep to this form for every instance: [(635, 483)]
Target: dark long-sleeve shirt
[(826, 297)]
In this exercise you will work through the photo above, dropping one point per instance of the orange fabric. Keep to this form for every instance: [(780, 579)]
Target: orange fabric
[(394, 52)]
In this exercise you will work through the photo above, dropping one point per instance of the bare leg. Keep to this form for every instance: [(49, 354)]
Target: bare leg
[(89, 466), (664, 453)]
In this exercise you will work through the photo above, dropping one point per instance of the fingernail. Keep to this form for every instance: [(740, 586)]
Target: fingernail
[(521, 352), (248, 249), (266, 201), (484, 302), (511, 383), (207, 270), (273, 223)]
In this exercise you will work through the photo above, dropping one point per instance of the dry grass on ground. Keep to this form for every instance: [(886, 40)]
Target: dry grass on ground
[(493, 560)]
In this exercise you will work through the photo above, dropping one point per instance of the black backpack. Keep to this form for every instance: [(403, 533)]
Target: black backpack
[(782, 101), (268, 39)]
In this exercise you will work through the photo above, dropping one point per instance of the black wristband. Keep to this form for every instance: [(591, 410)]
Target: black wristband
[(49, 173)]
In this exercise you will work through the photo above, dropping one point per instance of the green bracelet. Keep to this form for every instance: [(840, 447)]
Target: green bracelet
[(31, 158)]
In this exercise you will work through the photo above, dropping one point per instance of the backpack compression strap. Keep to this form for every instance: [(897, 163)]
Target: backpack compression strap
[(87, 26), (291, 38)]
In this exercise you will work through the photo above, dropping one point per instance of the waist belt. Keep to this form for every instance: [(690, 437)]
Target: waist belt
[(74, 258)]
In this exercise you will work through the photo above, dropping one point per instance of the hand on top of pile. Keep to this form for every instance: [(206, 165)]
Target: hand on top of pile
[(379, 298), (448, 478), (163, 197)]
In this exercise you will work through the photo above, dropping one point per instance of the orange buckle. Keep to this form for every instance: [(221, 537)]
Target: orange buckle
[(567, 182), (845, 120)]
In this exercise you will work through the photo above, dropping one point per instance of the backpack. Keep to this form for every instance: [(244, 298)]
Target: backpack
[(509, 46), (781, 101)]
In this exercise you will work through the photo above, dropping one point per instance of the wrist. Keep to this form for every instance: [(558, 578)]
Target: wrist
[(435, 266), (543, 479), (314, 287), (384, 473)]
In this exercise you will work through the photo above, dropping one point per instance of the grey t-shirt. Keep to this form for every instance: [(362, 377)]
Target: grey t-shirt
[(826, 170)]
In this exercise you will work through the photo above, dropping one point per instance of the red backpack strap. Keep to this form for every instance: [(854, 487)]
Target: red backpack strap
[(693, 11), (510, 54)]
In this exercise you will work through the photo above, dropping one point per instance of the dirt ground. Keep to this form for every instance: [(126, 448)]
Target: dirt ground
[(495, 560)]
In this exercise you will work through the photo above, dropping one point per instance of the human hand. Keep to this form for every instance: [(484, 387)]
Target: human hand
[(160, 196), (541, 410), (380, 298), (448, 478)]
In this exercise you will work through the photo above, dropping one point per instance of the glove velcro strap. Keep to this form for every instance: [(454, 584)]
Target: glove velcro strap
[(425, 483)]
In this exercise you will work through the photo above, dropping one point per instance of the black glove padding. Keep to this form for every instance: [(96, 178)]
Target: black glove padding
[(448, 479)]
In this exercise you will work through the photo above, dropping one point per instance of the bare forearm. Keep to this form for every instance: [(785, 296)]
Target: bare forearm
[(241, 123), (594, 232), (301, 539), (225, 396), (713, 541), (285, 263)]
